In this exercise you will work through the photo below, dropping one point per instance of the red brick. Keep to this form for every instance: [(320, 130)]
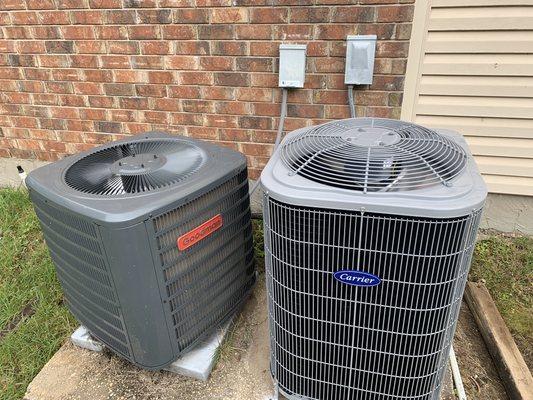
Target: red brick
[(232, 107), (53, 61), (17, 32), (119, 89), (155, 47), (266, 109), (69, 74), (54, 17), (218, 93), (126, 76), (254, 94), (264, 80), (87, 88), (216, 63), (335, 32), (97, 75), (137, 103), (232, 79), (265, 48), (59, 87), (382, 31), (354, 14), (46, 32), (191, 16), (72, 100), (216, 31), (229, 48), (90, 47), (33, 46), (253, 32), (196, 78), (115, 62), (105, 3), (329, 64), (38, 74), (192, 47), (13, 5), (160, 77), (154, 16), (151, 90), (120, 116), (253, 122), (77, 32), (183, 32), (7, 46), (92, 114), (155, 117), (123, 47), (186, 119), (330, 97), (256, 149), (310, 14), (167, 104), (254, 64), (202, 132), (24, 18), (144, 32), (123, 17), (182, 62), (392, 49), (111, 32), (293, 32), (196, 106), (184, 92), (231, 15), (72, 4), (269, 15), (140, 3), (221, 121), (237, 135), (87, 17), (397, 13), (147, 62)]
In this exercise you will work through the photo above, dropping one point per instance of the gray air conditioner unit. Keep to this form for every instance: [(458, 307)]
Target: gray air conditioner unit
[(151, 237), (369, 230)]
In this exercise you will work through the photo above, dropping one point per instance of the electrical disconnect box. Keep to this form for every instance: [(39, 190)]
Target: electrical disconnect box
[(292, 65), (360, 51)]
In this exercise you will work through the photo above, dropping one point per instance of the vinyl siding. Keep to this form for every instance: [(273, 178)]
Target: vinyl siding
[(471, 69)]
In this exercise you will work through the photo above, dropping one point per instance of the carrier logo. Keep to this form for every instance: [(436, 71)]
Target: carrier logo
[(200, 232), (357, 278)]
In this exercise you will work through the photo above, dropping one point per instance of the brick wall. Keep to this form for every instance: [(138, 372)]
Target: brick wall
[(76, 73)]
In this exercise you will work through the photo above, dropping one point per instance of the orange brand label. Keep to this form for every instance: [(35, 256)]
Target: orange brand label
[(200, 232)]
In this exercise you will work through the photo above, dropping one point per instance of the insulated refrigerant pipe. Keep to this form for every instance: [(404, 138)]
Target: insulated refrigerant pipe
[(280, 131)]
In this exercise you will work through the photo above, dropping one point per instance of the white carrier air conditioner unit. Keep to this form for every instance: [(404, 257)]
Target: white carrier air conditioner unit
[(370, 226)]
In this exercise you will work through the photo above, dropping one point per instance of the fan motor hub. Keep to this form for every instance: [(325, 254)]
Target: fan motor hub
[(371, 136), (138, 164)]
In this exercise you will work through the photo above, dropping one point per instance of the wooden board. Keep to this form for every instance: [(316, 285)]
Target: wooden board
[(510, 363)]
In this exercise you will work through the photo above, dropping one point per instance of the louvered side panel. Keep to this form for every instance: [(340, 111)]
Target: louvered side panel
[(82, 269), (334, 341), (207, 281), (475, 75)]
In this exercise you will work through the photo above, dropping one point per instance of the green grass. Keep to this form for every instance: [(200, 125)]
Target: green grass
[(33, 320), (505, 263)]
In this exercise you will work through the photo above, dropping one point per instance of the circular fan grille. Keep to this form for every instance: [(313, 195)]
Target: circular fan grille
[(135, 167), (372, 155)]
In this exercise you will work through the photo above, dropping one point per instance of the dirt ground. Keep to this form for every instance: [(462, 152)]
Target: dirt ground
[(241, 374)]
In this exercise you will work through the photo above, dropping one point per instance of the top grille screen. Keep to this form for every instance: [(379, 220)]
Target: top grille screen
[(373, 155), (135, 167)]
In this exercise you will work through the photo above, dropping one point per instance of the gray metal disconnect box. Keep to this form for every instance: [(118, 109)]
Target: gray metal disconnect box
[(292, 65)]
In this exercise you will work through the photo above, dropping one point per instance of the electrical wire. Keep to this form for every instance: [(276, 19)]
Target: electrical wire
[(282, 116), (458, 381), (351, 101)]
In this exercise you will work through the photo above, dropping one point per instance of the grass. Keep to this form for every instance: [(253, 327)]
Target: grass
[(505, 263), (33, 320)]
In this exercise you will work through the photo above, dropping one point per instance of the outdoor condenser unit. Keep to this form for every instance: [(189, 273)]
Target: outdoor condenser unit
[(369, 230), (151, 237)]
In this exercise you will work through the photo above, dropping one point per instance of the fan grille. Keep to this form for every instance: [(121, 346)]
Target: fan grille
[(135, 167), (372, 155)]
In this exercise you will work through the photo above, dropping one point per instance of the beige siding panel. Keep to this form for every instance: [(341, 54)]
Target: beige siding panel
[(500, 147), (509, 184), (474, 75), (479, 42), (505, 166), (480, 18), (480, 126), (502, 107), (478, 64), (492, 86), (470, 3)]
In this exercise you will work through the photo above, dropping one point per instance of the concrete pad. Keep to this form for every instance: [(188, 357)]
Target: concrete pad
[(197, 363)]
